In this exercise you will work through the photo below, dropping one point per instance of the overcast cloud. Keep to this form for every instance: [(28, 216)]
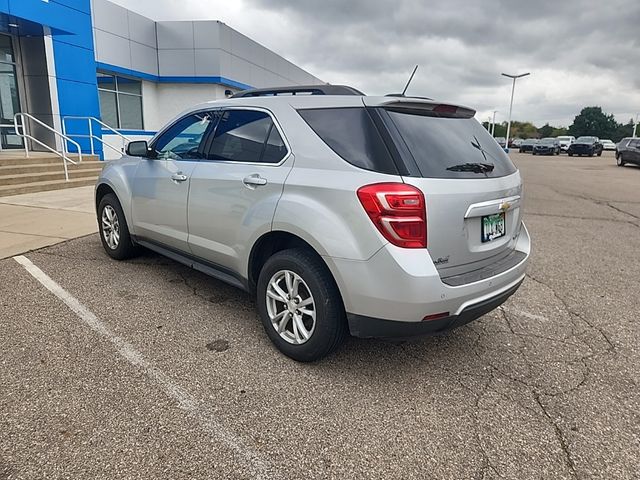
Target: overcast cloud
[(579, 52)]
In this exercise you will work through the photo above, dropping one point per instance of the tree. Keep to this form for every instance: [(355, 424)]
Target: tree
[(623, 131), (546, 130), (593, 121), (523, 130)]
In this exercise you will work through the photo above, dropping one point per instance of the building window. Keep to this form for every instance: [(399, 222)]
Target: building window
[(120, 101)]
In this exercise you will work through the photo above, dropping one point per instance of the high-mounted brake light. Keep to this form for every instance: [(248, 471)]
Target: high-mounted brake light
[(443, 108), (398, 211)]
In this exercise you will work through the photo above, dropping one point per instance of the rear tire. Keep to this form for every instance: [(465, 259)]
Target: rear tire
[(113, 229), (302, 329)]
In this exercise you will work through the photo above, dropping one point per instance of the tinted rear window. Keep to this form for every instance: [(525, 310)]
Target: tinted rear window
[(437, 143), (351, 133)]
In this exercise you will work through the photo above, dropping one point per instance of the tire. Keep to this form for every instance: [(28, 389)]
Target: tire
[(600, 153), (570, 154), (123, 248), (620, 160), (591, 154), (327, 331), (533, 153)]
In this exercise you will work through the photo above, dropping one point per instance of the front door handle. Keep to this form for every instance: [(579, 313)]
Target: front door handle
[(254, 180), (178, 177)]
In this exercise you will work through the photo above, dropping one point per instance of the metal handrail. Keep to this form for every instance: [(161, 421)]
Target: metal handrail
[(21, 129), (91, 135)]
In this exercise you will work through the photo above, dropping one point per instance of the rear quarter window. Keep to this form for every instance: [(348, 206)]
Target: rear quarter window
[(439, 143), (352, 134)]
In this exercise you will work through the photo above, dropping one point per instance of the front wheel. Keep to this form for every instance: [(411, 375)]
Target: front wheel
[(570, 154), (300, 305), (114, 232)]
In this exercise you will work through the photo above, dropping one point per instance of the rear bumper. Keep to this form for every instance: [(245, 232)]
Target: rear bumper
[(402, 286), (367, 327)]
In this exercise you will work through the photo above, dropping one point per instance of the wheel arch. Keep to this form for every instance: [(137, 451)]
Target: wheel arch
[(273, 242)]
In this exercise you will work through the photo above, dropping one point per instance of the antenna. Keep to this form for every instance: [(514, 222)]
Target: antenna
[(410, 78)]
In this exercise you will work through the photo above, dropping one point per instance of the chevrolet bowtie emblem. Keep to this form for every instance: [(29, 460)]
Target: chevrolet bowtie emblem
[(504, 206)]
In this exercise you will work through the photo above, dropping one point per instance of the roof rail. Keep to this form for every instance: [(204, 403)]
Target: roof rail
[(299, 90)]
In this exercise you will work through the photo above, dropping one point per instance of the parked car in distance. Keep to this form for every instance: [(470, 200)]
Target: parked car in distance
[(527, 145), (501, 141), (547, 146), (586, 145), (337, 241), (628, 151), (565, 141), (515, 142), (608, 144)]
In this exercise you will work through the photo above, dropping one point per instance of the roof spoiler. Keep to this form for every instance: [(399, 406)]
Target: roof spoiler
[(299, 90), (419, 106)]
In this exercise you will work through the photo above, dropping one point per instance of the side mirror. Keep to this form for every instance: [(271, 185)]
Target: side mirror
[(138, 148)]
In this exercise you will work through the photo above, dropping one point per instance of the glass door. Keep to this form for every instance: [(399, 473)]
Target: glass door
[(9, 97)]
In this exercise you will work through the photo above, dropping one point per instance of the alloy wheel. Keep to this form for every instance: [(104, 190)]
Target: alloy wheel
[(110, 227), (291, 307)]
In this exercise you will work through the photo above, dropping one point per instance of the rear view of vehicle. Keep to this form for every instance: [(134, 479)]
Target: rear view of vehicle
[(446, 206), (608, 144)]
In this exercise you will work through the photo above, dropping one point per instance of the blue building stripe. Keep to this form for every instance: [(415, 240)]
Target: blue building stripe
[(105, 67)]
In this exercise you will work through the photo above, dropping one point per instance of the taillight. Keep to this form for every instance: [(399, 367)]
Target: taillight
[(398, 211)]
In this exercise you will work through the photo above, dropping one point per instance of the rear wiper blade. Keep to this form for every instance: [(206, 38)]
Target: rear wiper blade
[(472, 167)]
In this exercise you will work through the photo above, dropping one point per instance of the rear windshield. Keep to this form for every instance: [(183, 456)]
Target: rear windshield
[(444, 147)]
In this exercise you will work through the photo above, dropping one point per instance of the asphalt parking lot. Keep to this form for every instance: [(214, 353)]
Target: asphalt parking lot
[(160, 372)]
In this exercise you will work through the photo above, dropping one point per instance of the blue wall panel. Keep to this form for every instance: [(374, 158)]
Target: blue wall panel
[(73, 51), (82, 5)]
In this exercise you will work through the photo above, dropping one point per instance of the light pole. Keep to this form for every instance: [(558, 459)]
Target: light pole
[(635, 125), (513, 88), (493, 124)]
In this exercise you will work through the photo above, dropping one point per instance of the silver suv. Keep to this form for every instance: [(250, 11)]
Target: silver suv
[(378, 216)]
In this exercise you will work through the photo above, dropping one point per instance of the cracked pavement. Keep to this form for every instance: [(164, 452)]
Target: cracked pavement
[(544, 387)]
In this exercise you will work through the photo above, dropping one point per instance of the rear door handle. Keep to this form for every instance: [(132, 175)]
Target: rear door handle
[(178, 177), (254, 180)]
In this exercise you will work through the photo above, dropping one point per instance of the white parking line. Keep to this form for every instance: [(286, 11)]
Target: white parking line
[(256, 465)]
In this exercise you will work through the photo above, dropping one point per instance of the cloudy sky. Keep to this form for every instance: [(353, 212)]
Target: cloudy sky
[(579, 52)]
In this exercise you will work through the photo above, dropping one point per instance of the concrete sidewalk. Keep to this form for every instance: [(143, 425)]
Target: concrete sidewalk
[(36, 220)]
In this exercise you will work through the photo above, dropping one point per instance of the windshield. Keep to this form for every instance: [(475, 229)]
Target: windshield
[(450, 147), (586, 139), (548, 141), (564, 138)]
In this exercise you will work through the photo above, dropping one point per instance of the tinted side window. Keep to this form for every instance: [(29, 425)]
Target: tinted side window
[(441, 146), (351, 133), (182, 139), (275, 149), (240, 136)]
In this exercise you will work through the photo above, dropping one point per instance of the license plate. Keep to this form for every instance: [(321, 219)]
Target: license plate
[(493, 226)]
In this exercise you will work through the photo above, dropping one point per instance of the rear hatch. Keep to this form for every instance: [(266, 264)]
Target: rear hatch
[(471, 188)]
